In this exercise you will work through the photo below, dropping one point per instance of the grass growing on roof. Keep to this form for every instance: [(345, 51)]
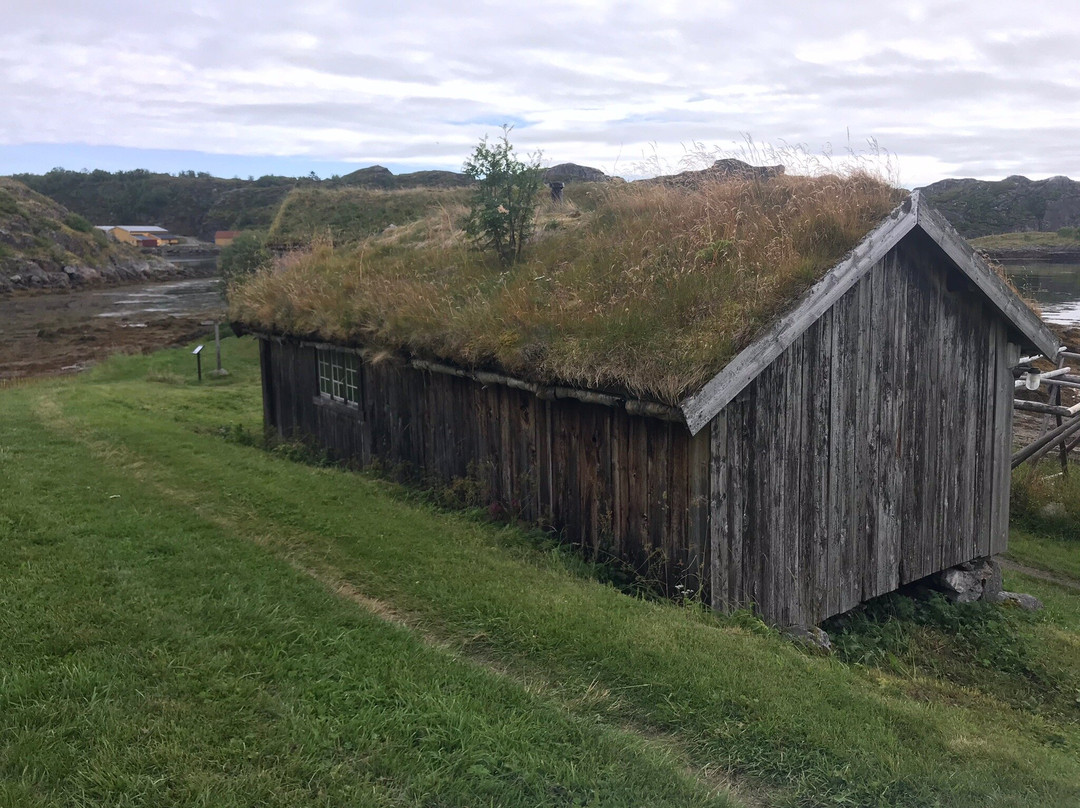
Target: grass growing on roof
[(638, 287)]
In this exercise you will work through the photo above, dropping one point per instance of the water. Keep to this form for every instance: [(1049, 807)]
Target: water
[(1055, 287), (195, 296), (64, 331)]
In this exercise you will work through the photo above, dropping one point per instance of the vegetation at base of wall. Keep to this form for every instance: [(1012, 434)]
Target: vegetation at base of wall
[(999, 651), (1043, 501), (191, 619), (1045, 512), (643, 288)]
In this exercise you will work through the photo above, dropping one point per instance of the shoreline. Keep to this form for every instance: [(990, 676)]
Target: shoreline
[(1034, 255), (74, 279)]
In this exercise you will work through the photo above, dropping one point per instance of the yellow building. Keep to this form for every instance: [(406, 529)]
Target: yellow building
[(143, 235)]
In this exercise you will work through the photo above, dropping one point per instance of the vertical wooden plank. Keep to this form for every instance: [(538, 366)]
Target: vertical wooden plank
[(742, 482), (985, 468), (967, 362), (585, 457), (860, 482), (818, 479), (799, 516), (543, 461), (890, 429), (699, 513), (678, 504), (620, 473), (769, 555), (840, 432), (657, 492), (931, 497), (637, 519), (944, 538), (1008, 354), (605, 516), (504, 446)]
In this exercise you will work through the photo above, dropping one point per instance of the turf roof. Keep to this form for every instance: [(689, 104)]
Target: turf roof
[(635, 288)]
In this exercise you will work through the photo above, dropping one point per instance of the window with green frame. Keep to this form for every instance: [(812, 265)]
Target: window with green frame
[(338, 375)]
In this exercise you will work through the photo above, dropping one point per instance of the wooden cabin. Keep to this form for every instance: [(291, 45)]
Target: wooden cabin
[(860, 442)]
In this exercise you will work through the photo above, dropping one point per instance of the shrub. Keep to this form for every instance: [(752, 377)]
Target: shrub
[(503, 210), (77, 222), (243, 257)]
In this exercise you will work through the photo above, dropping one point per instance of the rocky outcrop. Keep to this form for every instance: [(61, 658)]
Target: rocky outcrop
[(572, 172), (721, 170), (44, 246), (1015, 204), (31, 276)]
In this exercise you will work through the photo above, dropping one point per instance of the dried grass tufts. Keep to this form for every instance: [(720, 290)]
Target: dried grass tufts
[(642, 288)]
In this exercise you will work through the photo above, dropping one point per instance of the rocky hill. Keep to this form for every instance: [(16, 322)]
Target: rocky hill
[(572, 172), (44, 245), (981, 208), (726, 169)]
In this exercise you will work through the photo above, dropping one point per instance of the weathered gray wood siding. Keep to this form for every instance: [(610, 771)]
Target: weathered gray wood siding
[(616, 483), (873, 452)]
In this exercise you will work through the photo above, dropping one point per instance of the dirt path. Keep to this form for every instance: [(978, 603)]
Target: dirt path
[(1042, 575)]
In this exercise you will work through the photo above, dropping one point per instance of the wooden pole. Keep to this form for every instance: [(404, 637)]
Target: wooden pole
[(1041, 446)]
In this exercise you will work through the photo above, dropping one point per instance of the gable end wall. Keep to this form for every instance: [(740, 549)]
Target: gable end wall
[(872, 452)]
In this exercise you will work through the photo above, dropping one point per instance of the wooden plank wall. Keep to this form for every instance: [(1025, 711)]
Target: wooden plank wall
[(626, 487), (873, 452)]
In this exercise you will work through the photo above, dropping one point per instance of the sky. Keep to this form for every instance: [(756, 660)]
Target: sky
[(922, 90)]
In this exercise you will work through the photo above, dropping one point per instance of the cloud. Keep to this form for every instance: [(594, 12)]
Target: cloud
[(948, 87)]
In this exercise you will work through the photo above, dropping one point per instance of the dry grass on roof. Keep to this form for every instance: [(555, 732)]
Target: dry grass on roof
[(641, 288)]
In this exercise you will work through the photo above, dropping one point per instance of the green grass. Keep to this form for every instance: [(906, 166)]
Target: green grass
[(1066, 237), (351, 214), (189, 620)]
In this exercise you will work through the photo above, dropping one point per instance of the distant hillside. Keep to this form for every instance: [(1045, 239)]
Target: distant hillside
[(197, 204), (181, 204), (384, 179), (350, 214), (982, 208), (572, 172), (43, 244)]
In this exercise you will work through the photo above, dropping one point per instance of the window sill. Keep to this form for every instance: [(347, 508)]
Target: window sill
[(337, 406)]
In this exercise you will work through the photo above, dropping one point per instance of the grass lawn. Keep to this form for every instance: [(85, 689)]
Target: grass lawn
[(187, 619), (1067, 237)]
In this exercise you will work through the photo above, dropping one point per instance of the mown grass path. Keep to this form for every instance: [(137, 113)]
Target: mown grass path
[(187, 620)]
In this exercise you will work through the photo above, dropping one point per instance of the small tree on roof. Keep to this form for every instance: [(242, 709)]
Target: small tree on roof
[(503, 208)]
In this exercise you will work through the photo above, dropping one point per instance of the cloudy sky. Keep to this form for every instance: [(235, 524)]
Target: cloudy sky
[(983, 89)]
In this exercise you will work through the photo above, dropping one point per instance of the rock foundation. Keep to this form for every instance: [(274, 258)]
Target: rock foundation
[(979, 580)]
